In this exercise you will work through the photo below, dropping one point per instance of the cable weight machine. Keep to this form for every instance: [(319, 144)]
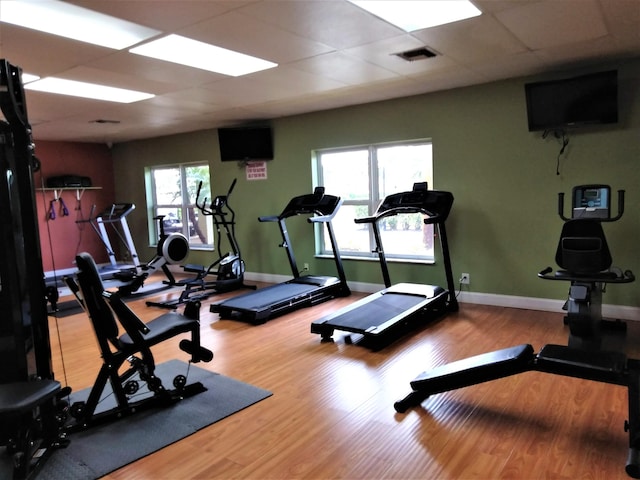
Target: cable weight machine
[(31, 415)]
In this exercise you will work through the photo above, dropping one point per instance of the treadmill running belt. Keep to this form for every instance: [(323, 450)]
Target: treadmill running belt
[(377, 312), (265, 297)]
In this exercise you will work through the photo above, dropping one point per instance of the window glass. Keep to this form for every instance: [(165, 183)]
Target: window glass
[(173, 196), (347, 171), (363, 177)]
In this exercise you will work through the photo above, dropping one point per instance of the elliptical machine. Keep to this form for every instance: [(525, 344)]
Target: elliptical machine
[(594, 351), (227, 271)]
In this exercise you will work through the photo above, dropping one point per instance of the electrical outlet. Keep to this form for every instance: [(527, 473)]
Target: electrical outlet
[(305, 267), (465, 279)]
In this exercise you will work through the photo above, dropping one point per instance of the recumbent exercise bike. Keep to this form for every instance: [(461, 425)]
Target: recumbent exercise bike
[(594, 351)]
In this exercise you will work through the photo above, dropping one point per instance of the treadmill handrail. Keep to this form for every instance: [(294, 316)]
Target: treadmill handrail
[(327, 218), (433, 217), (325, 211), (436, 204)]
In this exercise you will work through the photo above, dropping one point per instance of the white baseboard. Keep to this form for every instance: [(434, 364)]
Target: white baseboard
[(622, 312)]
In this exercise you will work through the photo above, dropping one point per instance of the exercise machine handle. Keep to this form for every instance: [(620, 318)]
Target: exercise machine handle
[(327, 217), (620, 207), (612, 219), (63, 208), (202, 207), (198, 192), (545, 272), (233, 184), (561, 207), (133, 325)]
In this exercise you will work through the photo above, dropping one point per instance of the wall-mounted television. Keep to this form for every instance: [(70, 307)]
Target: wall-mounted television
[(245, 143), (572, 102)]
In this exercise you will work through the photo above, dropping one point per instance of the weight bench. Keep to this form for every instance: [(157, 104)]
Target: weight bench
[(29, 425), (593, 351)]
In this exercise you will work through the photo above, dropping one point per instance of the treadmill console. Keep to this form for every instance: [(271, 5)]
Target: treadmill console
[(433, 203), (117, 211), (313, 203)]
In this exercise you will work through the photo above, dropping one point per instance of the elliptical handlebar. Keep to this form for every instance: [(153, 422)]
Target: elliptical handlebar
[(233, 184), (216, 205), (203, 207)]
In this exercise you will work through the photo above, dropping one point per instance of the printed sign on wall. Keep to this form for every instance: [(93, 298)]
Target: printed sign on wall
[(256, 170)]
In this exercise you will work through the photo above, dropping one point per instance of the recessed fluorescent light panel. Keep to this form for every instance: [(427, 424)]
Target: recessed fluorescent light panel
[(87, 90), (28, 78), (71, 21), (185, 51), (411, 15)]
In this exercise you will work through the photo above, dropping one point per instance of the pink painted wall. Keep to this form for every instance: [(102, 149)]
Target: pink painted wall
[(62, 238)]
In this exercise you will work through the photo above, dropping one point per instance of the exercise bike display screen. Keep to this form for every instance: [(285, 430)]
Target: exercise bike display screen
[(591, 201)]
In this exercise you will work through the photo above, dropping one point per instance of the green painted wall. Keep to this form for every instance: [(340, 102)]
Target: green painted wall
[(503, 228)]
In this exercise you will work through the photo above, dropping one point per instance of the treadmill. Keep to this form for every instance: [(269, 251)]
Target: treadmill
[(302, 290), (115, 216), (383, 316)]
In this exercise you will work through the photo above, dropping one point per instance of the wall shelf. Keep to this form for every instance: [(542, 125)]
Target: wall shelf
[(58, 191)]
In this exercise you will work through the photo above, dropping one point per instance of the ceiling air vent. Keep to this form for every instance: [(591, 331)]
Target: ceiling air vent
[(416, 54)]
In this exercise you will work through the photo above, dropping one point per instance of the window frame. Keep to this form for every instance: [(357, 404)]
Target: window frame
[(184, 206), (371, 203)]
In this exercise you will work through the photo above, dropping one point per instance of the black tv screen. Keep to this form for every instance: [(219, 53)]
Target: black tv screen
[(245, 143), (584, 100)]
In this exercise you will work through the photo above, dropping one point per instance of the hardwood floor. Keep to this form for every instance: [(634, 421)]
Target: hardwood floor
[(331, 414)]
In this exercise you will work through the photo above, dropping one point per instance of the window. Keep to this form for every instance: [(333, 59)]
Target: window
[(363, 176), (173, 190)]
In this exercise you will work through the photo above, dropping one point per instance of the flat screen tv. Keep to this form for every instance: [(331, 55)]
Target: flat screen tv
[(245, 143), (571, 102)]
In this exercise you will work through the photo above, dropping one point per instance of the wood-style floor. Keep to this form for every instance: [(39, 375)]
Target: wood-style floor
[(331, 414)]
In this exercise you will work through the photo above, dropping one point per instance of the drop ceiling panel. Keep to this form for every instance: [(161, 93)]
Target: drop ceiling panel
[(118, 80), (580, 53), (164, 15), (624, 15), (330, 53), (383, 53), (472, 41), (195, 101), (447, 79), (344, 68), (270, 86), (249, 35), (550, 23), (44, 54), (339, 24), (520, 64), (46, 107), (155, 70)]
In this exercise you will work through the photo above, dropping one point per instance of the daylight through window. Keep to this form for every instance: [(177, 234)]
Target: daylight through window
[(173, 191), (363, 176)]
